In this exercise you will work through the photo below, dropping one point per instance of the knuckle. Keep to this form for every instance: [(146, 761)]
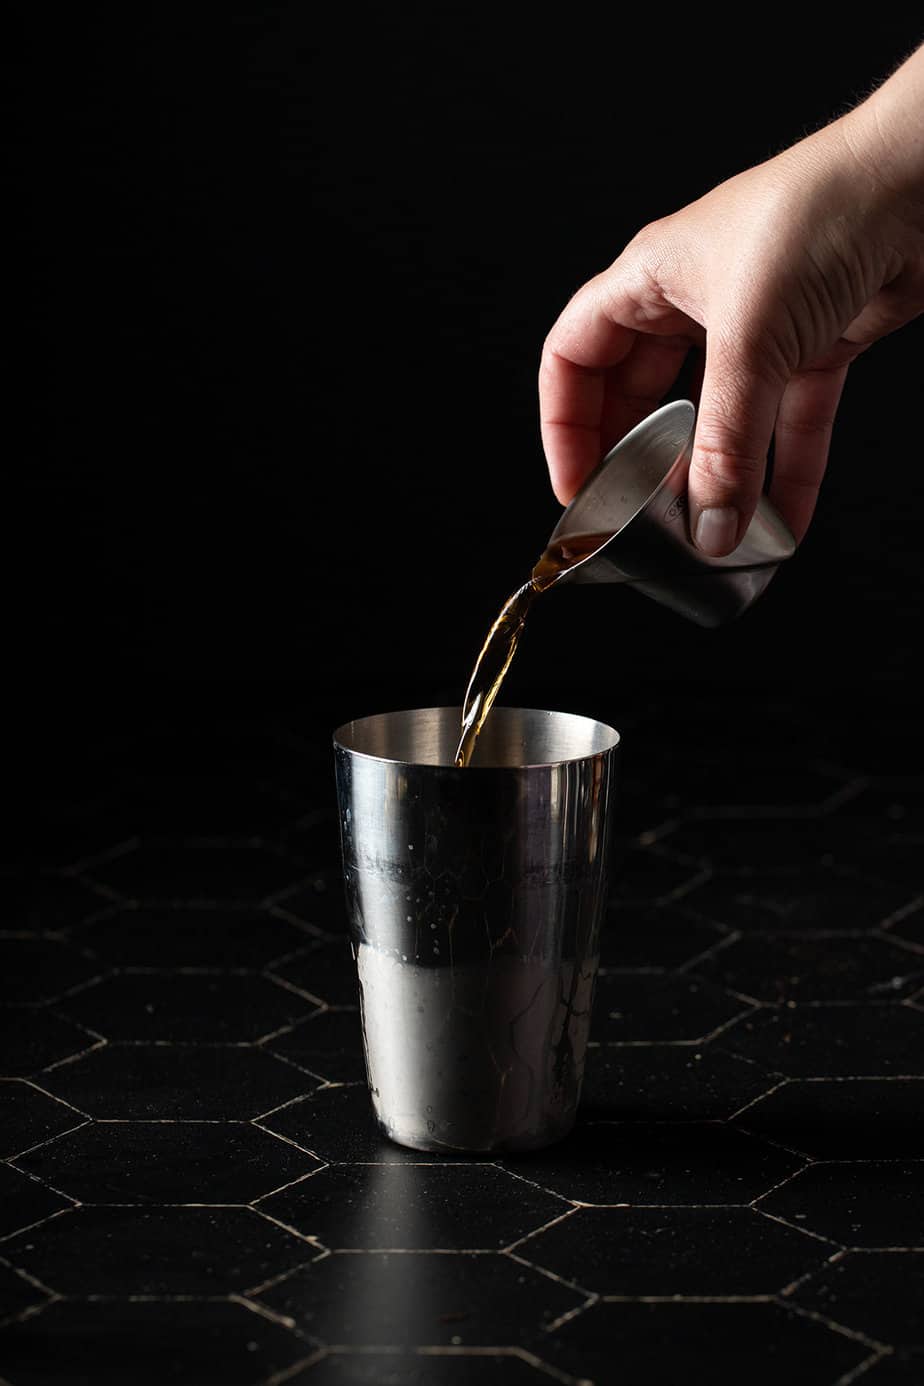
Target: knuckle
[(727, 466), (723, 479)]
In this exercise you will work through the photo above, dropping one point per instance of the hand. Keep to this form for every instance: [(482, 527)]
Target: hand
[(782, 275)]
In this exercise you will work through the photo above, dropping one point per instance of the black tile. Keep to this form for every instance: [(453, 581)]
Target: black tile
[(75, 825), (760, 845), (428, 1298), (879, 1293), (662, 1163), (834, 1041), (338, 1124), (785, 967), (668, 1082), (894, 857), (889, 802), (646, 1009), (450, 1207), (204, 937), (206, 804), (225, 1008), (649, 877), (17, 1293), (710, 779), (313, 837), (642, 810), (821, 885), (663, 937), (863, 1203), (41, 903), (31, 1040), (320, 901), (202, 743), (844, 1119), (34, 970), (24, 1201), (168, 1162), (456, 1367), (143, 1082), (29, 1116), (884, 824), (675, 1251), (816, 896), (327, 971), (156, 1251), (909, 926), (893, 1369), (722, 1344), (180, 1343), (195, 871), (329, 1044)]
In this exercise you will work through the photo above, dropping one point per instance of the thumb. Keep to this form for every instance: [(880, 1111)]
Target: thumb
[(735, 421)]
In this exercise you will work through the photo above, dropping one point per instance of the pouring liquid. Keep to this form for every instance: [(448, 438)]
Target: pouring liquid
[(504, 635)]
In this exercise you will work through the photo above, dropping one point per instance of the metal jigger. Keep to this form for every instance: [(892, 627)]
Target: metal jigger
[(637, 495)]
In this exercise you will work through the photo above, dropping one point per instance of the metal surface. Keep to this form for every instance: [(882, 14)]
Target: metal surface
[(475, 899), (638, 495)]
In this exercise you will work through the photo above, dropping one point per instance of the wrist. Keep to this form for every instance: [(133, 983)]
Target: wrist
[(885, 136)]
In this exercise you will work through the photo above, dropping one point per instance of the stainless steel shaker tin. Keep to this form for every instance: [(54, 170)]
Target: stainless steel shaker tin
[(475, 898), (637, 494)]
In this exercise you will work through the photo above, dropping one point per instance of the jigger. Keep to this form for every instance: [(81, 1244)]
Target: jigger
[(637, 496)]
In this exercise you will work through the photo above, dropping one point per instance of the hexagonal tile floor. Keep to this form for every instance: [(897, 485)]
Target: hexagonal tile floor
[(192, 1185)]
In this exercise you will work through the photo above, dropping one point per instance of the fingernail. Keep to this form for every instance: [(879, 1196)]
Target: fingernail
[(717, 530)]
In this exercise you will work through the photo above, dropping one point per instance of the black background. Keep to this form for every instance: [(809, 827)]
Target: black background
[(280, 284)]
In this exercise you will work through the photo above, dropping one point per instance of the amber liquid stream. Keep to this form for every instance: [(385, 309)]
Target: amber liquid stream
[(502, 639)]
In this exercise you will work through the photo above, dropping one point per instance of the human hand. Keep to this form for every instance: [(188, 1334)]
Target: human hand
[(782, 275)]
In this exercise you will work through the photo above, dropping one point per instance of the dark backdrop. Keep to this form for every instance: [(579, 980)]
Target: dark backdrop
[(280, 286)]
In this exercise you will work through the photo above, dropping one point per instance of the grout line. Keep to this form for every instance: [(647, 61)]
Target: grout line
[(777, 1145), (32, 1311), (29, 1082), (72, 1058), (783, 1182), (287, 1140), (877, 1251), (793, 1285), (571, 1314), (49, 1140), (569, 1212), (514, 1174), (687, 1299), (862, 1368), (296, 991), (302, 1236), (551, 1275), (60, 1212), (310, 1174), (806, 1231), (264, 1312), (28, 1277), (835, 1327), (523, 1354), (903, 911), (294, 1369), (45, 1184), (288, 1274), (863, 1078), (781, 1084)]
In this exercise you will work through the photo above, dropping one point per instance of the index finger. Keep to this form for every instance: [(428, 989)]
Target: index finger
[(581, 347)]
